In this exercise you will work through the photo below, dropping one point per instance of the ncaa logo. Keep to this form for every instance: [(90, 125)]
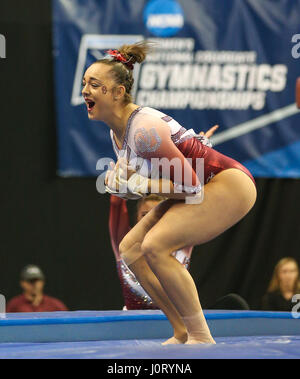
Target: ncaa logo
[(163, 18)]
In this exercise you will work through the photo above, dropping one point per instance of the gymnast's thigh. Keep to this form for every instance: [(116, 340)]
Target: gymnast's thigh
[(136, 235), (228, 197)]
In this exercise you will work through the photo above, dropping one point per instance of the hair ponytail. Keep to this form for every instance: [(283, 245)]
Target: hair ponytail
[(122, 61), (136, 52)]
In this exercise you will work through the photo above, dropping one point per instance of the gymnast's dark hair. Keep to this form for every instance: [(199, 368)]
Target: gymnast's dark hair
[(122, 72)]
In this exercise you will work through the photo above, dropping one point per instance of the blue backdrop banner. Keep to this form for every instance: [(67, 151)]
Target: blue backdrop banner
[(232, 63)]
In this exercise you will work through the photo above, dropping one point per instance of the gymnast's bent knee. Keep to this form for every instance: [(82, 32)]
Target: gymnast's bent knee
[(154, 251), (130, 254)]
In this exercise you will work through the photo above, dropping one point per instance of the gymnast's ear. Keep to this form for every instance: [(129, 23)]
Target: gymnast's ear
[(119, 92)]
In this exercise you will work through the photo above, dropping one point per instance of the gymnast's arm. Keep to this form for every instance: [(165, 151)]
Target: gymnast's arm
[(118, 222), (152, 139)]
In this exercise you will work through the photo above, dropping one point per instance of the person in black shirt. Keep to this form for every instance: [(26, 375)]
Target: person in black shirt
[(285, 283)]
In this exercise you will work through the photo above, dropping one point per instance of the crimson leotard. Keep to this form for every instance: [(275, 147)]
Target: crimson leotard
[(214, 162)]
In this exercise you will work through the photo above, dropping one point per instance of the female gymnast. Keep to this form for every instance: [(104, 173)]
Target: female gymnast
[(134, 295), (140, 134)]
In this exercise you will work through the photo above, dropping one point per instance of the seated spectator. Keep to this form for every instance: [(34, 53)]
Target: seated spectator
[(284, 284), (33, 298)]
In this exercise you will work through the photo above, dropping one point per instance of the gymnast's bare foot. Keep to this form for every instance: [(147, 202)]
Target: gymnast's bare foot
[(194, 341), (176, 340)]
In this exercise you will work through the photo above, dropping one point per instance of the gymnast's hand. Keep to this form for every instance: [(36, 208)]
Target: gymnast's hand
[(125, 170), (110, 181), (210, 132), (118, 174)]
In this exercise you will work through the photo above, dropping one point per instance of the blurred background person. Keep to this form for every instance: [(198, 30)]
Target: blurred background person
[(33, 299), (285, 283)]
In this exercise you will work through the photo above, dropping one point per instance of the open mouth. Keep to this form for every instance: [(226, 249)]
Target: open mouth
[(90, 105)]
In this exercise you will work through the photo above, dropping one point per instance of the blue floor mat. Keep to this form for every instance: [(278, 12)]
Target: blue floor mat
[(249, 347)]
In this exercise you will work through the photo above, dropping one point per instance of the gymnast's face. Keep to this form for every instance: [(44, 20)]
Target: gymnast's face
[(145, 208), (288, 274), (98, 90)]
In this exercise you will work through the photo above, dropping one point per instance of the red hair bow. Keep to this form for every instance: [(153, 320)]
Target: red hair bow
[(119, 57)]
